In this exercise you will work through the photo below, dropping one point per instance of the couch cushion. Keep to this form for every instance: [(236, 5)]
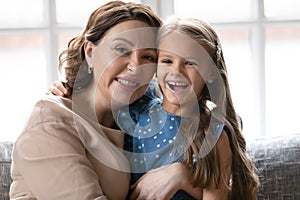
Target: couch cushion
[(278, 163), (277, 160), (5, 161)]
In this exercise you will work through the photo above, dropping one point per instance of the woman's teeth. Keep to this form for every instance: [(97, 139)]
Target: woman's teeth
[(127, 83)]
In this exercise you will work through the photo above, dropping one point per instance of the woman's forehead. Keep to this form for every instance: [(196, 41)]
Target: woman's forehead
[(136, 33)]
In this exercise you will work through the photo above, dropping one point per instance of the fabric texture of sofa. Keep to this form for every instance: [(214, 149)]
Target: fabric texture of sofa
[(5, 161), (277, 160)]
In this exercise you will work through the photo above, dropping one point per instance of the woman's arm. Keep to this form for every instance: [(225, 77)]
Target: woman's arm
[(162, 183), (51, 162), (53, 167)]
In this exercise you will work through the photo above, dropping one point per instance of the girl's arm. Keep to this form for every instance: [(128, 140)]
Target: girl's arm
[(58, 89), (225, 155)]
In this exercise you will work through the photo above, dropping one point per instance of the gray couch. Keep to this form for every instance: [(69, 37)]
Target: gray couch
[(5, 161), (277, 160)]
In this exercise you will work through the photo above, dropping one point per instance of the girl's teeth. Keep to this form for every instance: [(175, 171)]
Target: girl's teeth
[(177, 84)]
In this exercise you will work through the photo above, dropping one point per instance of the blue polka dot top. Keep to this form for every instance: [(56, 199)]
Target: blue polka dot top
[(153, 136)]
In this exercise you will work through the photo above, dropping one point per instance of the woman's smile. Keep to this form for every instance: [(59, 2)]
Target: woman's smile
[(127, 83)]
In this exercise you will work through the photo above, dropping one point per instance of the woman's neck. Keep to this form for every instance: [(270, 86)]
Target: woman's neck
[(97, 108), (94, 105)]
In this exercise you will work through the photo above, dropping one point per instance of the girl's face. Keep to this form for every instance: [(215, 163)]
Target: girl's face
[(124, 62), (183, 69)]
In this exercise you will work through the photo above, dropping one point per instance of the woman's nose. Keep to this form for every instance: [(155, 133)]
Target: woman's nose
[(135, 61)]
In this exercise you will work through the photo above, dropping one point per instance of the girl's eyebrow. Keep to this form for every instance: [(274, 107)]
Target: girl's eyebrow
[(190, 58), (164, 52), (124, 40)]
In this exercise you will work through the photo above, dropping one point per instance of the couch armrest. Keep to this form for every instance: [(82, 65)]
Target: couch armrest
[(277, 160)]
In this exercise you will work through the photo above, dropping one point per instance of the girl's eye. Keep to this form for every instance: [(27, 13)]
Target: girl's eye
[(166, 61), (191, 63)]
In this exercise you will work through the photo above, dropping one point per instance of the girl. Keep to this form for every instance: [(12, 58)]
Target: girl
[(197, 102)]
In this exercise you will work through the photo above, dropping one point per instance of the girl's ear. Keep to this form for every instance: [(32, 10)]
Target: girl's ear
[(212, 74), (211, 77)]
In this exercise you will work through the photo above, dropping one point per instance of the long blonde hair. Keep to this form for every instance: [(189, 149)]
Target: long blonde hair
[(206, 170)]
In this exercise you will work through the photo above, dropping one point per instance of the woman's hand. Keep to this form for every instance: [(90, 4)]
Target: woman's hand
[(58, 89), (162, 183)]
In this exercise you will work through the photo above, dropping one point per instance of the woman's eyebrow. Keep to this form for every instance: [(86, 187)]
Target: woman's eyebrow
[(124, 40)]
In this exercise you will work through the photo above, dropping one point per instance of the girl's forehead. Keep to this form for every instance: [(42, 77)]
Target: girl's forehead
[(182, 45)]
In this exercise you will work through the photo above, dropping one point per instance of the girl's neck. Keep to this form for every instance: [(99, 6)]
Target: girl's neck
[(179, 110)]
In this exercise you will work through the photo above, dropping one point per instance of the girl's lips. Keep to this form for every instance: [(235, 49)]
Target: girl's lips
[(177, 86)]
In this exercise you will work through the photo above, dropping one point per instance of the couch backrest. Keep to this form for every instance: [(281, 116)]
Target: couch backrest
[(5, 161)]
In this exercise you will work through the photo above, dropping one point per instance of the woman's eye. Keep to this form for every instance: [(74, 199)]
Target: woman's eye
[(122, 50), (150, 58)]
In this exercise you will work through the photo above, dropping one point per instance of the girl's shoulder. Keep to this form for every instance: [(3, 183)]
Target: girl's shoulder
[(150, 98), (128, 116)]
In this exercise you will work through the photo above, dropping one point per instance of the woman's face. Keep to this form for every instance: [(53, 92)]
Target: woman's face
[(183, 69), (124, 62)]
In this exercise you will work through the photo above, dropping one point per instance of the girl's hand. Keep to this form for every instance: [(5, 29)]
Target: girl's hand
[(58, 89), (162, 183)]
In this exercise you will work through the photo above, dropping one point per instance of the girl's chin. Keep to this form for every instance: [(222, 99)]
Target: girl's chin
[(179, 99)]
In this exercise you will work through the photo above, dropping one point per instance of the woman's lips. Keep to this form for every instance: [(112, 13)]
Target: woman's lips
[(127, 83)]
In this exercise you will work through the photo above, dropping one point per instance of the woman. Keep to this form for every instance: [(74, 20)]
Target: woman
[(62, 152)]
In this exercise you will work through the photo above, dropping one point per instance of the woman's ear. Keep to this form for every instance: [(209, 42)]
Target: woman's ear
[(88, 49)]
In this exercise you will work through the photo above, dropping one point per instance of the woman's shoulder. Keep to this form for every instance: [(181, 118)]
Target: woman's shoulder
[(50, 108), (50, 118)]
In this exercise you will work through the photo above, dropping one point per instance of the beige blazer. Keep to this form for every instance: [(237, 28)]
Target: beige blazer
[(60, 155)]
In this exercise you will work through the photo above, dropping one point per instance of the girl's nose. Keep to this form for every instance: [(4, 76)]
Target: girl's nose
[(177, 68)]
